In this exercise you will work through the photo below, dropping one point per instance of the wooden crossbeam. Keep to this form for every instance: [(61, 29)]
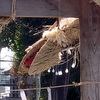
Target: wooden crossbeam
[(41, 8), (5, 7)]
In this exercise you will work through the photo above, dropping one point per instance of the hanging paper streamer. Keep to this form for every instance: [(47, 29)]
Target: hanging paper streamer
[(22, 94), (49, 93)]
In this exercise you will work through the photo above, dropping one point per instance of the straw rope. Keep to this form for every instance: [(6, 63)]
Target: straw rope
[(13, 15), (54, 87)]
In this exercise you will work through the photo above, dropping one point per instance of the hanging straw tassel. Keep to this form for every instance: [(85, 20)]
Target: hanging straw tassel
[(30, 50), (45, 58), (13, 9), (97, 2), (52, 42)]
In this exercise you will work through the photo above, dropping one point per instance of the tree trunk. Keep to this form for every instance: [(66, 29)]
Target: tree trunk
[(90, 50)]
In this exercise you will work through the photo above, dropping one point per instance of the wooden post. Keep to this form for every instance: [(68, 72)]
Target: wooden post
[(90, 50)]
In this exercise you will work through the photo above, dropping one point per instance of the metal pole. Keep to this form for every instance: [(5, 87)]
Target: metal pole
[(0, 71), (38, 85)]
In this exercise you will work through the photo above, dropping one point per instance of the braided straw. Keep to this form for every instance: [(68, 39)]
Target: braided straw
[(13, 9)]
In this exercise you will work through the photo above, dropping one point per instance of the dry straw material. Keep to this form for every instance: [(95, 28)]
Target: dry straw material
[(3, 22), (53, 41), (97, 2), (30, 50), (45, 58)]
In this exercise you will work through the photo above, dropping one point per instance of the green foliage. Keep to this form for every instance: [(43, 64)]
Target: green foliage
[(7, 36), (19, 34), (46, 78)]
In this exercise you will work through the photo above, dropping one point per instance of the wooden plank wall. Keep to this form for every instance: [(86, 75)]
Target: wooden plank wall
[(41, 8)]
